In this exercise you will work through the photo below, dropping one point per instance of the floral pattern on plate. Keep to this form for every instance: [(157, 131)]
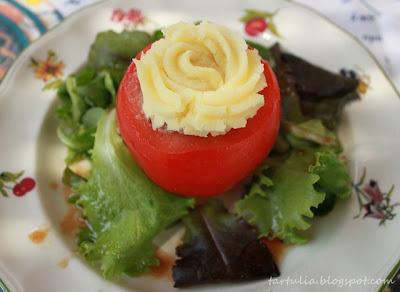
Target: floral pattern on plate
[(373, 201), (13, 182), (131, 18), (257, 22), (49, 68)]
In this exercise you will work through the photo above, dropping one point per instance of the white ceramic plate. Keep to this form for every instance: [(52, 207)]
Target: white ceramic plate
[(342, 247)]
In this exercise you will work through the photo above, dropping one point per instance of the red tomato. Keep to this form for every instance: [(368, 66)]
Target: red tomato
[(191, 165)]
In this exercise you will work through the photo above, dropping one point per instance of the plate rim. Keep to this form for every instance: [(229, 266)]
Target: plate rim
[(71, 18)]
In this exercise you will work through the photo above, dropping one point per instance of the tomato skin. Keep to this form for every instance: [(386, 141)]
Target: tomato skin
[(197, 166)]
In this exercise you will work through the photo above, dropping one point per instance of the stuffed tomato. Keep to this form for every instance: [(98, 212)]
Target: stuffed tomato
[(205, 122)]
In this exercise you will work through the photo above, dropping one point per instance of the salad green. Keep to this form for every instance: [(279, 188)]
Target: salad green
[(118, 197), (279, 202), (86, 94), (304, 175), (124, 211), (281, 197), (212, 240)]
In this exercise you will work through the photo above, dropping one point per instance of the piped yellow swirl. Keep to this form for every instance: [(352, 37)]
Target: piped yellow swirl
[(200, 79)]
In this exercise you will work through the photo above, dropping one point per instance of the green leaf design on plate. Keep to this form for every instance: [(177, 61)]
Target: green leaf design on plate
[(272, 27), (3, 192), (253, 13), (8, 176)]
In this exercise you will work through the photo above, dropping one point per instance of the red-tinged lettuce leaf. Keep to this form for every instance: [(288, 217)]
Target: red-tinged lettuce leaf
[(311, 133), (291, 107), (316, 83), (218, 247), (309, 91), (328, 110)]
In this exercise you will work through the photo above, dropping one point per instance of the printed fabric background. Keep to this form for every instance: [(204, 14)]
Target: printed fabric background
[(375, 22)]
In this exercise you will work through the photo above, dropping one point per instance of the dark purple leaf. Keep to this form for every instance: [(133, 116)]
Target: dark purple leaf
[(218, 247), (316, 83), (309, 91)]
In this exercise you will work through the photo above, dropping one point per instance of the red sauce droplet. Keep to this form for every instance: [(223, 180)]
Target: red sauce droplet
[(39, 235), (63, 263), (71, 222), (165, 267), (67, 191), (53, 185), (276, 248)]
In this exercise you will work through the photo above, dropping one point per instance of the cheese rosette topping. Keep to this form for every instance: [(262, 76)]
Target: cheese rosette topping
[(200, 79)]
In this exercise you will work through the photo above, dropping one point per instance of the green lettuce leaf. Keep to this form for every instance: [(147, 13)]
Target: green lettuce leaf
[(87, 93), (334, 176), (114, 51), (78, 106), (95, 93), (92, 117), (77, 139), (286, 193), (83, 98), (124, 209), (281, 199)]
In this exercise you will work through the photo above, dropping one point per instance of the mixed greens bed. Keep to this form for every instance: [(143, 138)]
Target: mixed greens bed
[(124, 211)]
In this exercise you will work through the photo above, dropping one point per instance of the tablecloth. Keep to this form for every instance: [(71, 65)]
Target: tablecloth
[(375, 22)]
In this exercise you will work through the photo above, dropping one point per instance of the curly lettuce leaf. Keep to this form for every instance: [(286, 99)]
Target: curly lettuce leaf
[(124, 209), (286, 193), (217, 247), (280, 200), (334, 176)]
